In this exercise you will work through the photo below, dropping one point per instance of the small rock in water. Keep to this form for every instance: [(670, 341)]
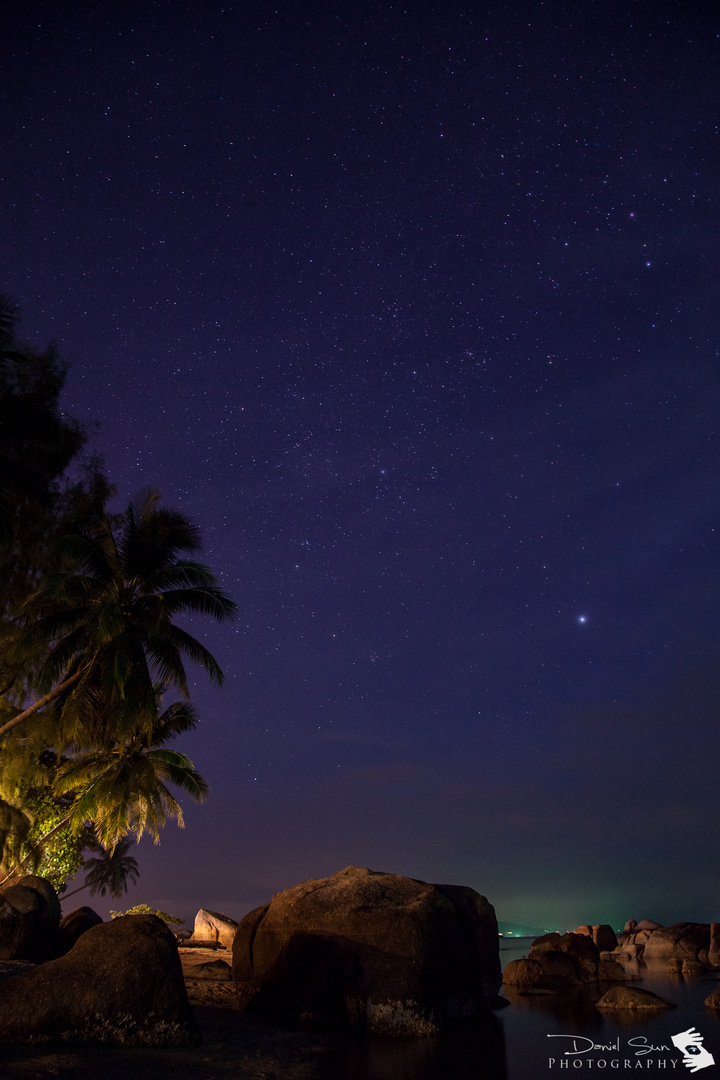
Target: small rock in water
[(632, 997)]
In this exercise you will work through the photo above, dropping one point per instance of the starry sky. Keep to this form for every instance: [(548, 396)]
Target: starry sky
[(414, 310)]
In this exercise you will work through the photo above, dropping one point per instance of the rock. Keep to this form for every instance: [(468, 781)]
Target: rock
[(9, 968), (647, 924), (612, 971), (693, 967), (120, 983), (713, 1002), (370, 951), (216, 970), (553, 972), (629, 926), (215, 928), (632, 997), (604, 937), (583, 951), (72, 926), (29, 918), (683, 940), (558, 962), (714, 947), (602, 934)]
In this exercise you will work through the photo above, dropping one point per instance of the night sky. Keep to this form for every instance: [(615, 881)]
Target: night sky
[(414, 310)]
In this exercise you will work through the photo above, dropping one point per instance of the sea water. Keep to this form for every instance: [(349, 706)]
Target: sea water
[(539, 1037)]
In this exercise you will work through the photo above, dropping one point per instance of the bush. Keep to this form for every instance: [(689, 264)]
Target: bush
[(145, 909)]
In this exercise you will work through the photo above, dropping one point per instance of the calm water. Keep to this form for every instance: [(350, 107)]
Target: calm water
[(515, 1045)]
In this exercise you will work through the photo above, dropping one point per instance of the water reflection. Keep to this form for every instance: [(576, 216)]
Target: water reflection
[(468, 1052)]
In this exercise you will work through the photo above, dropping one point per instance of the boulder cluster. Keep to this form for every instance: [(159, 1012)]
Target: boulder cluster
[(691, 944), (82, 980), (360, 950), (557, 963)]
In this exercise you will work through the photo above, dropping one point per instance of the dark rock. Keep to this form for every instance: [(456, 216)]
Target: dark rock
[(369, 951), (72, 926), (714, 948), (558, 962), (582, 949), (602, 934), (29, 918), (713, 1002), (693, 967), (612, 971), (9, 968), (632, 997), (552, 972), (122, 982)]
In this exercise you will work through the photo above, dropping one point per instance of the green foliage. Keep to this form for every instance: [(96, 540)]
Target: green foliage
[(88, 637), (145, 909), (61, 857)]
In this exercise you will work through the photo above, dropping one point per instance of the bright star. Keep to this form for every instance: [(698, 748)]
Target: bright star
[(582, 618)]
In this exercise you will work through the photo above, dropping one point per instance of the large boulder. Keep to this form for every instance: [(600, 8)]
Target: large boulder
[(29, 918), (214, 928), (580, 948), (121, 983), (553, 972), (370, 951), (684, 941)]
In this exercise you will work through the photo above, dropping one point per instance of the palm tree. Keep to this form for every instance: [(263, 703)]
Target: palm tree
[(123, 788), (111, 871), (107, 618)]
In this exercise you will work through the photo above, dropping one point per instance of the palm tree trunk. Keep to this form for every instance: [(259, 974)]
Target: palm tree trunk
[(41, 703), (15, 872), (64, 896)]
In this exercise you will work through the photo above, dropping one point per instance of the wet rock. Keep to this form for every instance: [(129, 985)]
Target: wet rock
[(553, 972), (632, 997), (582, 949)]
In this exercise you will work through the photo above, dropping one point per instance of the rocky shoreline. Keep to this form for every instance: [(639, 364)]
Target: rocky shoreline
[(280, 993)]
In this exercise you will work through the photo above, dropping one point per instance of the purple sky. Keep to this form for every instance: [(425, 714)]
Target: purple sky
[(416, 315)]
